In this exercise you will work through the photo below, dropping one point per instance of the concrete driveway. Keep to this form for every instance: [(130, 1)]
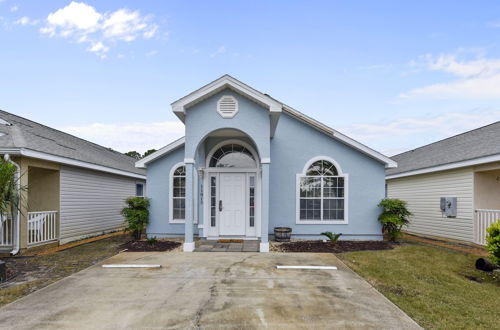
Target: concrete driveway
[(208, 290)]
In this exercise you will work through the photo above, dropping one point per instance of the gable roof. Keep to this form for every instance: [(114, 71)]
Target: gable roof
[(21, 136), (226, 81), (479, 146), (275, 107)]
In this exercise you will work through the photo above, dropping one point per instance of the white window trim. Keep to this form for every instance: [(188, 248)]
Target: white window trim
[(171, 195), (298, 221), (232, 141), (315, 159)]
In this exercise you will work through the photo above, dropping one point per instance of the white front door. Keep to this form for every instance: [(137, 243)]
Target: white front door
[(231, 205)]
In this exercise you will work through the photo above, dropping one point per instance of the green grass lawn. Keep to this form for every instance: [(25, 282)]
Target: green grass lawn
[(432, 285)]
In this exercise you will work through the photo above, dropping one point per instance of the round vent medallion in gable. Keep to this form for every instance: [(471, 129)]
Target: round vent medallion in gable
[(227, 106)]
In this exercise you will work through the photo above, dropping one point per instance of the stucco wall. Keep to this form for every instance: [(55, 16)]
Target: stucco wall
[(157, 190), (202, 119), (293, 145)]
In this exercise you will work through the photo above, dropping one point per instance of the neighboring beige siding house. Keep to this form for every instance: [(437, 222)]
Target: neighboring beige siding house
[(465, 167), (75, 188)]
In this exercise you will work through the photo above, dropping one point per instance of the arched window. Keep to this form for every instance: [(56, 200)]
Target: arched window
[(321, 196), (178, 193), (232, 155)]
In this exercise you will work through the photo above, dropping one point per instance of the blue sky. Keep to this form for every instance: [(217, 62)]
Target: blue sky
[(393, 74)]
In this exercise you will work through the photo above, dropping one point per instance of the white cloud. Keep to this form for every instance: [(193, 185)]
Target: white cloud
[(220, 50), (410, 132), (84, 24), (23, 20), (125, 137), (99, 48), (13, 9), (478, 78)]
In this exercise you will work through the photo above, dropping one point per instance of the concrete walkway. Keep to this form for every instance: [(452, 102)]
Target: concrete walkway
[(209, 291)]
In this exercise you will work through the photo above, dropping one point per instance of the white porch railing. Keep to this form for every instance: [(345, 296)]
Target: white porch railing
[(42, 227), (6, 231), (484, 218)]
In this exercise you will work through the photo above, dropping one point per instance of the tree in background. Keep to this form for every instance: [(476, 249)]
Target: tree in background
[(136, 155), (149, 152)]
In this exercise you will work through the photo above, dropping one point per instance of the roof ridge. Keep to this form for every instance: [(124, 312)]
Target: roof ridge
[(448, 138), (59, 131)]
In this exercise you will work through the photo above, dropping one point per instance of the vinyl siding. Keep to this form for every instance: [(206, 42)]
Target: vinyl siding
[(91, 202), (423, 192)]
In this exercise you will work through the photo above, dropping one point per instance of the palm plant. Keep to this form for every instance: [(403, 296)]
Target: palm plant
[(10, 189), (332, 236)]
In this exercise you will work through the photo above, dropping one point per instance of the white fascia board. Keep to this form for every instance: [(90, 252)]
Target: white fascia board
[(389, 163), (465, 163), (367, 150), (179, 106), (165, 150), (10, 151), (78, 163)]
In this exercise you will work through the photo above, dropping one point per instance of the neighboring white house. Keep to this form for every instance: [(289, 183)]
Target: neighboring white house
[(75, 188), (465, 171)]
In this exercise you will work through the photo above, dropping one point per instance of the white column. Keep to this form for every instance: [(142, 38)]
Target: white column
[(264, 224), (188, 226)]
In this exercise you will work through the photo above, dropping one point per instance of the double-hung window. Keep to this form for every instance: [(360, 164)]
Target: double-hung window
[(178, 194), (321, 194)]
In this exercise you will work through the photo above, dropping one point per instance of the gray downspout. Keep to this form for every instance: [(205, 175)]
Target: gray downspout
[(18, 218)]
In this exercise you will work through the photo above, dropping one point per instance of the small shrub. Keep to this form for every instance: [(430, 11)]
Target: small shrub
[(136, 215), (394, 217), (332, 236), (493, 241), (152, 240)]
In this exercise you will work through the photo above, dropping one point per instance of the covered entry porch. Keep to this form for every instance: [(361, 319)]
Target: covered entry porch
[(486, 200), (39, 208), (230, 183)]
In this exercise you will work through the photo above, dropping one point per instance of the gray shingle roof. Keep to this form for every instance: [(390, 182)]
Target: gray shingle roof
[(481, 142), (24, 133)]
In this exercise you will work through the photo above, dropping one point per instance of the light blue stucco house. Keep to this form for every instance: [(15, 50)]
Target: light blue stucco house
[(249, 163)]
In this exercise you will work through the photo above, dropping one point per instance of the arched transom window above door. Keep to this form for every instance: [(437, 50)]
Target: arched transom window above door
[(322, 193), (232, 155)]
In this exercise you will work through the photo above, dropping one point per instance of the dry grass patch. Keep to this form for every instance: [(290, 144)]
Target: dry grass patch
[(28, 274)]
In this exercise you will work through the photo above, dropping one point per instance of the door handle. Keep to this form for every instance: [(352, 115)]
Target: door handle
[(220, 205)]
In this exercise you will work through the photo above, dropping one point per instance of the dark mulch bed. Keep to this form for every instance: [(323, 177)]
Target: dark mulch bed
[(338, 247), (145, 246)]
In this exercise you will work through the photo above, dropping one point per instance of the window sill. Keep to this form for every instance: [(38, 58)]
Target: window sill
[(176, 221), (319, 222)]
